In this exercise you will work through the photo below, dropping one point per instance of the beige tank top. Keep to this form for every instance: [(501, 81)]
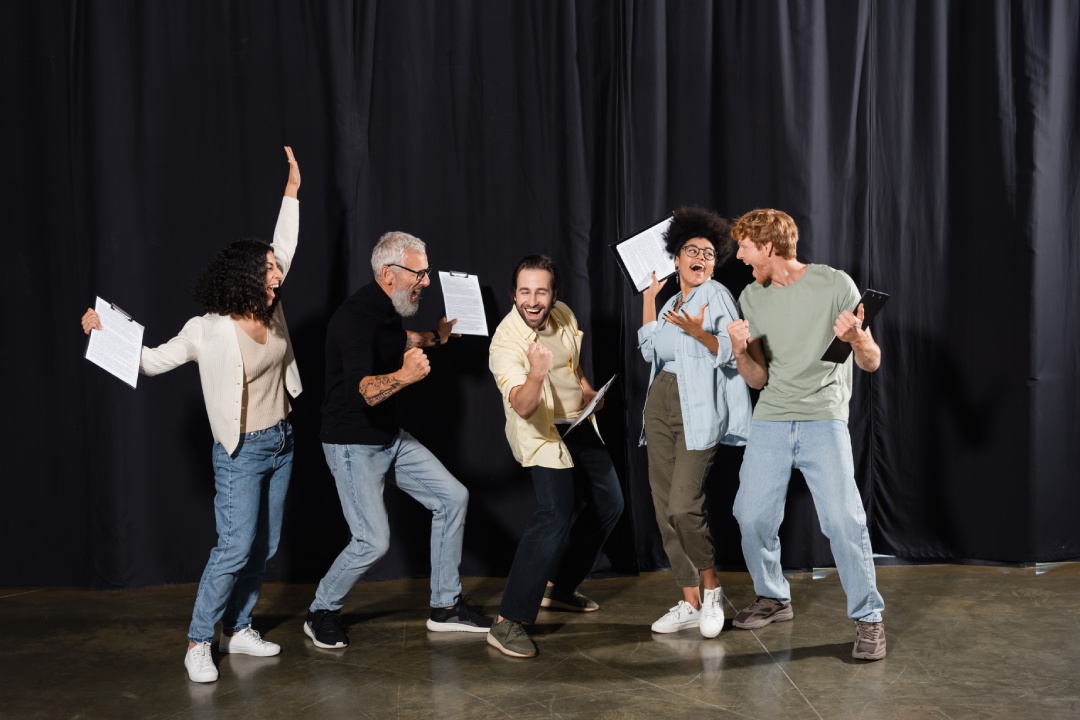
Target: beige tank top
[(266, 403)]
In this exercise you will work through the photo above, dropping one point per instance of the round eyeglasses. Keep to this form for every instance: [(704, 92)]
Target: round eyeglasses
[(693, 251)]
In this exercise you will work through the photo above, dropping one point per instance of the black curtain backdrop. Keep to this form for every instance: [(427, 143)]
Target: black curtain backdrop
[(930, 149)]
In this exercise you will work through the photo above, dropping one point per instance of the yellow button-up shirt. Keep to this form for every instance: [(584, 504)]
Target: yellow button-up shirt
[(535, 441)]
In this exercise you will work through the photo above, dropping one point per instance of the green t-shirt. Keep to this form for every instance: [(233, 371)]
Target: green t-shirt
[(795, 324)]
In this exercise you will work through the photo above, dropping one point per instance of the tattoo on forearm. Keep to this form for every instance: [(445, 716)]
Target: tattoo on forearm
[(376, 389), (418, 339)]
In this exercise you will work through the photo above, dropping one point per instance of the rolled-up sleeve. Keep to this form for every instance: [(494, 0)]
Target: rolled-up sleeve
[(507, 366)]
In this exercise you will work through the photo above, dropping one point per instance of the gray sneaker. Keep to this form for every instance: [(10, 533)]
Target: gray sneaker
[(510, 638), (761, 612), (574, 601), (869, 641)]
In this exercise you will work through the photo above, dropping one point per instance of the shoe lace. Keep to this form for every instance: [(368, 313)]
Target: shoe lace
[(200, 655), (515, 631), (252, 635), (869, 631), (763, 603), (328, 618), (683, 608), (471, 609)]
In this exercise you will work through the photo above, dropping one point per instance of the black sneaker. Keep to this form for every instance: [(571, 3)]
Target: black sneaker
[(463, 617), (325, 629)]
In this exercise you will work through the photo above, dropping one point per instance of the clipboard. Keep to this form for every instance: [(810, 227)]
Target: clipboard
[(117, 347), (591, 407), (464, 302), (872, 301), (644, 252)]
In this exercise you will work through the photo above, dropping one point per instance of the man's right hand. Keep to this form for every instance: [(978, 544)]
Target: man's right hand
[(539, 361), (414, 367), (739, 333)]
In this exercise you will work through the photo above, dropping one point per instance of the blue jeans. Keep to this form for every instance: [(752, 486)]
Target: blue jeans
[(250, 490), (360, 474), (821, 450), (556, 545)]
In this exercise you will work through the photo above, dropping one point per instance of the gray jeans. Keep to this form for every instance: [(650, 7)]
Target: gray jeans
[(677, 478)]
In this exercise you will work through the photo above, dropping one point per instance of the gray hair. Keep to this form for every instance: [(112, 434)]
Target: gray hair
[(391, 249)]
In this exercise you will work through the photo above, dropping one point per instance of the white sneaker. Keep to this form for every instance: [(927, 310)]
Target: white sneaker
[(678, 618), (247, 641), (712, 612), (199, 664)]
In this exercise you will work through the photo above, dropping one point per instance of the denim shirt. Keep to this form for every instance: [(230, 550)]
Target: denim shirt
[(714, 398)]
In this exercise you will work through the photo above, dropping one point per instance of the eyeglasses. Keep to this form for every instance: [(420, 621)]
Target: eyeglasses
[(694, 250), (420, 274)]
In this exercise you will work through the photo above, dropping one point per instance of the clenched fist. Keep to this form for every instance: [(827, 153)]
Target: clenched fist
[(415, 366), (739, 332), (539, 360)]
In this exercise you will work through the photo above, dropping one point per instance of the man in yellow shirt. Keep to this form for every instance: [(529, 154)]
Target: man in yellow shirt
[(535, 356)]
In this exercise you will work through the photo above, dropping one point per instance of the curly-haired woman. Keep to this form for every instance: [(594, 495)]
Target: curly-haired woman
[(248, 372), (696, 400)]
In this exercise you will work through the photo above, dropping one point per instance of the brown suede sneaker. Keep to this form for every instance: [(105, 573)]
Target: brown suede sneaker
[(869, 641), (761, 612)]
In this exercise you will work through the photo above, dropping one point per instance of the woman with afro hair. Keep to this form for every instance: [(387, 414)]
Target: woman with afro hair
[(248, 372), (696, 400)]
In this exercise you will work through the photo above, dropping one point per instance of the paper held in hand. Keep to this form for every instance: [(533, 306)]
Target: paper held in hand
[(461, 297), (645, 253), (117, 346), (591, 407)]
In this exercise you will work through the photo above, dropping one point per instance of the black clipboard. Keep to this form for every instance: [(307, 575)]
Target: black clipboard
[(653, 226), (872, 301)]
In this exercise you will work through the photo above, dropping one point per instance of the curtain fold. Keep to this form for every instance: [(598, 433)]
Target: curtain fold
[(929, 149)]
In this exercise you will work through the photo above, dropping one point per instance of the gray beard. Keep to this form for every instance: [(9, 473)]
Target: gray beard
[(400, 299)]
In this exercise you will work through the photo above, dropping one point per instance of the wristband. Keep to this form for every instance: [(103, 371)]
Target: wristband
[(437, 338)]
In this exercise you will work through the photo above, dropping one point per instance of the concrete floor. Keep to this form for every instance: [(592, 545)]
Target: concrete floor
[(964, 642)]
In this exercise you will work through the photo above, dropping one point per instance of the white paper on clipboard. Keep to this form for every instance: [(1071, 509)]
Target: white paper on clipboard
[(462, 300), (117, 346), (645, 253)]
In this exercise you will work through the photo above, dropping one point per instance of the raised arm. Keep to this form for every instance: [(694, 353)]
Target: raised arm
[(648, 300), (292, 186)]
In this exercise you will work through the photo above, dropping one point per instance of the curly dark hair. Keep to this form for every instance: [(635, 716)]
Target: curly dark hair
[(695, 222), (235, 281)]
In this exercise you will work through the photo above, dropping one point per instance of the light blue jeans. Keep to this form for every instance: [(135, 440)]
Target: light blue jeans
[(250, 490), (821, 450), (360, 474)]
